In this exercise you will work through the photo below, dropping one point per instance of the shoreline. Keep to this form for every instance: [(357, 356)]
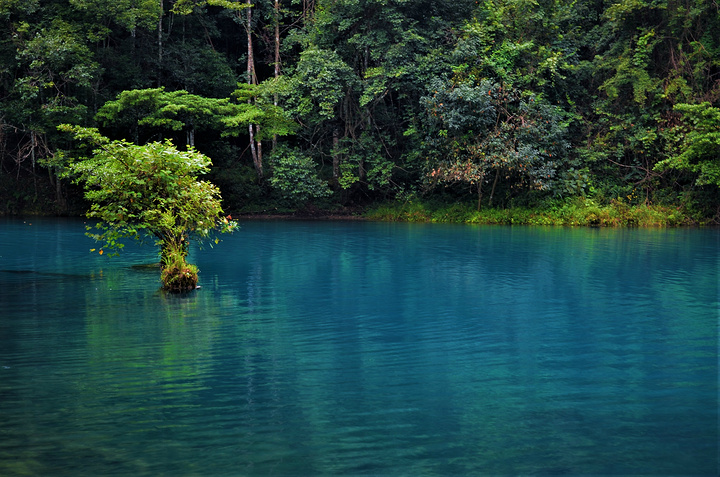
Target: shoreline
[(321, 217), (579, 213)]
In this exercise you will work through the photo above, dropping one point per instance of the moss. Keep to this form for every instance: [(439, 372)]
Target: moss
[(178, 276)]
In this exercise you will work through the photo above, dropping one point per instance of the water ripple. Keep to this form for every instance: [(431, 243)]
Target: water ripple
[(381, 349)]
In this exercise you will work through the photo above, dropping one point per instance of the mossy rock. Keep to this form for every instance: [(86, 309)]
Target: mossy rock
[(179, 278)]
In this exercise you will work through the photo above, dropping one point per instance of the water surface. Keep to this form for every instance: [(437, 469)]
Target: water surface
[(349, 348)]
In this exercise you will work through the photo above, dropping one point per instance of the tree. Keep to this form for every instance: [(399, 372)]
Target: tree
[(488, 117), (476, 130), (180, 110), (383, 93), (149, 191), (647, 57), (166, 111), (698, 143), (294, 176), (52, 68), (357, 81), (238, 7)]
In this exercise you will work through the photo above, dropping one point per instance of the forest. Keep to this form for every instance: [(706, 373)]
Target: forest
[(348, 105)]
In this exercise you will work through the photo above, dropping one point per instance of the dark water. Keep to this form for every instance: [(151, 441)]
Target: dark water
[(363, 348)]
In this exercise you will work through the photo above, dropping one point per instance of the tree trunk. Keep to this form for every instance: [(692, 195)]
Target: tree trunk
[(479, 191), (259, 151), (492, 191), (254, 151), (33, 145), (255, 146), (54, 176), (176, 275), (361, 166), (277, 59), (336, 158), (62, 205), (251, 79), (277, 42), (160, 45)]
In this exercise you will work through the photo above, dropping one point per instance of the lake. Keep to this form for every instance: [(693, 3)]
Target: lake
[(347, 348)]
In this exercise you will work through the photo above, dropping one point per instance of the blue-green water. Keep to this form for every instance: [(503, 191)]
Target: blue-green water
[(345, 348)]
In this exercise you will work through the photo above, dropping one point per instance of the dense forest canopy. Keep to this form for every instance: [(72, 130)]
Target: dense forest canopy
[(305, 103)]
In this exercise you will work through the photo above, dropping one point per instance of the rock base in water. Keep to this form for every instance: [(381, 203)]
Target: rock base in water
[(179, 279)]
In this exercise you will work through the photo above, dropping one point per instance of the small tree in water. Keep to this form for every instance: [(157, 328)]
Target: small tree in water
[(151, 190)]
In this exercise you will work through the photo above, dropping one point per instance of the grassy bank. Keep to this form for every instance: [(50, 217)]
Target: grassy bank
[(572, 212)]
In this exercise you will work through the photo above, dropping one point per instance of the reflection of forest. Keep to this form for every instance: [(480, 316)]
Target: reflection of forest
[(351, 348), (547, 313)]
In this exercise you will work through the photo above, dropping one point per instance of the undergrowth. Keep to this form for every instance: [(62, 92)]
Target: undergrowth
[(572, 212)]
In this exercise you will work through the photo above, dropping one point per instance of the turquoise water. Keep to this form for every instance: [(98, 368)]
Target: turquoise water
[(346, 348)]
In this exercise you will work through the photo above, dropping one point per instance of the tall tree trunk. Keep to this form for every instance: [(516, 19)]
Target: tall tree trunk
[(55, 181), (336, 158), (479, 191), (255, 147), (160, 44), (277, 58), (258, 147), (33, 145), (277, 42), (492, 191), (251, 76), (362, 173), (254, 152)]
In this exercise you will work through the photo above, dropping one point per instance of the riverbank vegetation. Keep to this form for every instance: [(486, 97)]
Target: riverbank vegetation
[(579, 112), (574, 212)]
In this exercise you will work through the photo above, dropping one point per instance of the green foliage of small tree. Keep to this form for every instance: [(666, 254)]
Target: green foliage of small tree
[(698, 143), (170, 111), (130, 14), (149, 191), (253, 104), (294, 176), (493, 128), (322, 81)]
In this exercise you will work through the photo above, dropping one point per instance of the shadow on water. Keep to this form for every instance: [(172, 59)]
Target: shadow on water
[(19, 280), (146, 267), (60, 276), (23, 279)]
